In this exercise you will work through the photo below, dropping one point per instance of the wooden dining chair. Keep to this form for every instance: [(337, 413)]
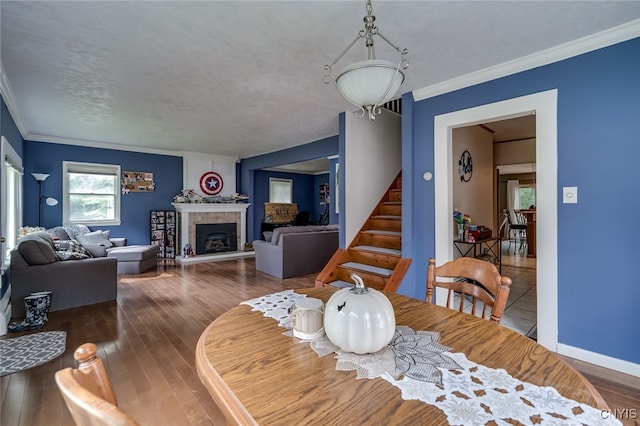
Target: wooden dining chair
[(473, 278), (517, 229), (87, 391)]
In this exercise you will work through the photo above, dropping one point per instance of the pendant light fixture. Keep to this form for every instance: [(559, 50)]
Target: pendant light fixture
[(370, 83)]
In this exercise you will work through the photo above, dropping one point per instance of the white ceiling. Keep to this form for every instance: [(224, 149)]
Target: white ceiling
[(242, 78)]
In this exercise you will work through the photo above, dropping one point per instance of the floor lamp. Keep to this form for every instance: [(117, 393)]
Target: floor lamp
[(40, 178)]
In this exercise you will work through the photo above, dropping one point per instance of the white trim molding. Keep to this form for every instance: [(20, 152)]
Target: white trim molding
[(567, 50), (544, 105), (611, 363), (96, 144), (10, 100)]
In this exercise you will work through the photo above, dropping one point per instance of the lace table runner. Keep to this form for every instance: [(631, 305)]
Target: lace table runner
[(423, 369)]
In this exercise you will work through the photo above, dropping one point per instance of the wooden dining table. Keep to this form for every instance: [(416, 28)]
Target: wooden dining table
[(258, 375)]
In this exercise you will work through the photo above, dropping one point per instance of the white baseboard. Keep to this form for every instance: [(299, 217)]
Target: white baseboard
[(605, 361), (214, 257)]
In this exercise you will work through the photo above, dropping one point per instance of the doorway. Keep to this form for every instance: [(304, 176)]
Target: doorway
[(544, 105), (516, 205), (500, 195)]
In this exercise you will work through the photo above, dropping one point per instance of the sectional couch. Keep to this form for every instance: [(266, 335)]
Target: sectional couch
[(296, 250), (75, 278)]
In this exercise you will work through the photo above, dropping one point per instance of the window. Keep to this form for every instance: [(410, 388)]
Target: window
[(91, 194), (526, 196), (11, 201), (280, 190)]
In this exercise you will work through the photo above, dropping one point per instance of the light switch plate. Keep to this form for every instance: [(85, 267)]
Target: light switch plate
[(570, 195)]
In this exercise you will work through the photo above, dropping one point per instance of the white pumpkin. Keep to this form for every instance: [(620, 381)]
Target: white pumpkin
[(359, 319)]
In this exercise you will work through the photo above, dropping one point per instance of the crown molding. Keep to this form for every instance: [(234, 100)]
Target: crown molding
[(103, 145), (210, 157), (10, 100), (557, 53)]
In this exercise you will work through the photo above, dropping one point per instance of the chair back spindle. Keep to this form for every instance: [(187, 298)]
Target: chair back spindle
[(473, 279)]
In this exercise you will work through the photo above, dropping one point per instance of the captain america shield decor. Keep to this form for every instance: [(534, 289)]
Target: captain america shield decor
[(211, 183)]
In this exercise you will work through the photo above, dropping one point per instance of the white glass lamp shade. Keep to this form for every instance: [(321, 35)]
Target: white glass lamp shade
[(371, 82), (40, 177)]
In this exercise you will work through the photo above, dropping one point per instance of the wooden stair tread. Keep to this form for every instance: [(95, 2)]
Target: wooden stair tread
[(381, 232), (376, 251), (379, 250), (340, 284), (368, 268)]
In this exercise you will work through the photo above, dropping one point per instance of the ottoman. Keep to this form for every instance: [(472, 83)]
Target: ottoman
[(135, 259)]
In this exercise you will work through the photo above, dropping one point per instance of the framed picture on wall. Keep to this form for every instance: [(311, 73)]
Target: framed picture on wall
[(138, 181)]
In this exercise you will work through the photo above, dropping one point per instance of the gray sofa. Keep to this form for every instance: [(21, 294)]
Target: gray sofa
[(132, 260), (296, 250), (78, 280)]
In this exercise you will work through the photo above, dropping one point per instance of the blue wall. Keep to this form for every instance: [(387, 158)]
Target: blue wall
[(598, 146), (40, 157), (248, 167), (304, 194), (9, 130)]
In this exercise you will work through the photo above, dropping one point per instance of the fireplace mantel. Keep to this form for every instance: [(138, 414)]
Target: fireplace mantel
[(192, 213), (211, 207)]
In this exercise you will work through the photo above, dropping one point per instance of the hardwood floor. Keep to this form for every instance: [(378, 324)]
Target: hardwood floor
[(147, 341)]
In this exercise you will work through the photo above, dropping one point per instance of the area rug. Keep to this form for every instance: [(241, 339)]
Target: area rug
[(21, 353)]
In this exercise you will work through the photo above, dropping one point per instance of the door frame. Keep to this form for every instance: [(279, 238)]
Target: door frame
[(544, 105), (7, 153)]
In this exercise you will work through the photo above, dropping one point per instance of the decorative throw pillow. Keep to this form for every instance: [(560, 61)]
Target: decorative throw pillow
[(95, 238), (70, 255), (75, 230), (72, 246), (59, 232), (37, 248)]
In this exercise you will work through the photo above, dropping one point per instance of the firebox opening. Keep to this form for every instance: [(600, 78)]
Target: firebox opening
[(216, 238)]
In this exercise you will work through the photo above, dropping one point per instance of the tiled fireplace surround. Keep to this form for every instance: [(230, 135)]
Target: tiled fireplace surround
[(191, 214)]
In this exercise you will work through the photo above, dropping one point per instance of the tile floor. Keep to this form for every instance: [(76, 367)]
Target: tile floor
[(520, 314)]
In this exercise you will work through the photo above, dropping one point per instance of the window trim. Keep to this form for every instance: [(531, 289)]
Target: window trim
[(90, 168), (10, 159), (273, 180)]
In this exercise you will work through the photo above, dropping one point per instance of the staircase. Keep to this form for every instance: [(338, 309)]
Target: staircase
[(375, 253)]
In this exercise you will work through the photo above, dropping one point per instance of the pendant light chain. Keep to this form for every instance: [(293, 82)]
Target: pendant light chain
[(370, 30), (362, 95)]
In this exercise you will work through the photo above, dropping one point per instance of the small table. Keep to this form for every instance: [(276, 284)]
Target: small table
[(491, 246), (257, 375)]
